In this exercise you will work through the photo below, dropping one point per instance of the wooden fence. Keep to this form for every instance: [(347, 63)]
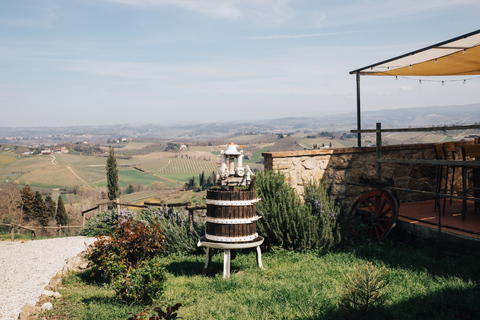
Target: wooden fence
[(187, 205), (32, 229)]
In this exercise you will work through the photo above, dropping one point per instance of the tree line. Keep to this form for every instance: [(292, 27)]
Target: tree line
[(203, 183), (34, 207)]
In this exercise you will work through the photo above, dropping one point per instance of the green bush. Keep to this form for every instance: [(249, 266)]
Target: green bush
[(126, 259), (290, 223), (100, 225), (173, 222), (176, 228), (323, 207), (143, 284)]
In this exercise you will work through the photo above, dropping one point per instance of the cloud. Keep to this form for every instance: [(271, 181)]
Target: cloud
[(225, 9), (298, 36)]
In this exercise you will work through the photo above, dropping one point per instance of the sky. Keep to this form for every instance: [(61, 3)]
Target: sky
[(104, 62)]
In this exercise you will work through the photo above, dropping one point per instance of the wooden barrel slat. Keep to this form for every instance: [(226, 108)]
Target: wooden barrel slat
[(231, 212)]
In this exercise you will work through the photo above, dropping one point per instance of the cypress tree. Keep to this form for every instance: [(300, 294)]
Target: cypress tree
[(51, 207), (27, 203), (40, 210), (112, 178), (201, 179), (61, 217)]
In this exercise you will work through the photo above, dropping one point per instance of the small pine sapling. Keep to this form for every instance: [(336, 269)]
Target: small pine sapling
[(363, 291)]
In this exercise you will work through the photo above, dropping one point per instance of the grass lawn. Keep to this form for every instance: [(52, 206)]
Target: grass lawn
[(423, 284)]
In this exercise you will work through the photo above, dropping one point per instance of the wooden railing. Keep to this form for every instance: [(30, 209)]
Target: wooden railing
[(32, 229), (187, 205)]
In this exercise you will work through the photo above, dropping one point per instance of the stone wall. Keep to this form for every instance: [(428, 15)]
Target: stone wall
[(342, 169)]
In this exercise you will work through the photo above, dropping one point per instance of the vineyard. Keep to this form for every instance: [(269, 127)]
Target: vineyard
[(187, 166), (68, 170), (51, 175)]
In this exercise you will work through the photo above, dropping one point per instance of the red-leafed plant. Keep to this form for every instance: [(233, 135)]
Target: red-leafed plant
[(169, 314), (127, 260)]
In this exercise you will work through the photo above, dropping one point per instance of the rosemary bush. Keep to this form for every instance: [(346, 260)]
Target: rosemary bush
[(290, 223)]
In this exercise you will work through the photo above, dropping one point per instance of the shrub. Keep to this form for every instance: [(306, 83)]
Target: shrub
[(173, 222), (176, 228), (290, 223), (327, 213), (100, 225), (362, 291), (143, 284), (125, 259)]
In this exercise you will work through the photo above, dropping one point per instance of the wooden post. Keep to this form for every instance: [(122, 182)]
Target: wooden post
[(83, 219), (60, 231), (190, 218), (118, 206), (379, 152), (33, 234), (12, 232)]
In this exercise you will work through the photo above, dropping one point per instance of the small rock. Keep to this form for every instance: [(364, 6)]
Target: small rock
[(27, 310), (48, 293), (78, 263), (47, 306), (57, 295), (43, 299)]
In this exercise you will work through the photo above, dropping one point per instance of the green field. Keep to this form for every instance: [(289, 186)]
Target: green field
[(6, 158), (258, 153)]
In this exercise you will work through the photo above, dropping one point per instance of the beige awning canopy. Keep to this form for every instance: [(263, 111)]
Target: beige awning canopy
[(454, 57)]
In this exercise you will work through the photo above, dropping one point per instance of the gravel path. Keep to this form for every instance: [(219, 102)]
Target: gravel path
[(26, 268)]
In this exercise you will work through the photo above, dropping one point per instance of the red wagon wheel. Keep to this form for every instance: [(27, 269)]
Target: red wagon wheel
[(376, 213)]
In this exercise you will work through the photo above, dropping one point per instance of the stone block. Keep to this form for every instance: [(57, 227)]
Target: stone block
[(309, 164)]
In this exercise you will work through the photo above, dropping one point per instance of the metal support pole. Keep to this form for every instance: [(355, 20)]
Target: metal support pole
[(359, 125), (379, 152)]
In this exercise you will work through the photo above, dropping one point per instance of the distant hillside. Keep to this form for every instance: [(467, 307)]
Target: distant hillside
[(395, 118)]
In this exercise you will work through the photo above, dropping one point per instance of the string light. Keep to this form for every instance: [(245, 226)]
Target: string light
[(410, 67), (436, 61), (464, 51), (420, 81)]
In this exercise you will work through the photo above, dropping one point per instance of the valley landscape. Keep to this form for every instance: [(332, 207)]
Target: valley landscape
[(155, 161)]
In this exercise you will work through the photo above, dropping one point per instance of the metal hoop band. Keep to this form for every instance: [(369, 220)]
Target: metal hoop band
[(227, 203), (231, 239), (233, 221)]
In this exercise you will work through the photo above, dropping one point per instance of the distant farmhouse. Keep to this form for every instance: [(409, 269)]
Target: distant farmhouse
[(46, 152), (61, 150)]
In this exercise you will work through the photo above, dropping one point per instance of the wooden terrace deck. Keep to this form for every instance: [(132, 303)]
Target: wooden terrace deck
[(419, 218)]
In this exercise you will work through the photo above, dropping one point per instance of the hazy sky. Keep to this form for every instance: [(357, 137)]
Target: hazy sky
[(81, 62)]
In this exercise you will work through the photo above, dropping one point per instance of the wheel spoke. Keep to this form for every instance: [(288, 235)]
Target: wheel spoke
[(382, 207)]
